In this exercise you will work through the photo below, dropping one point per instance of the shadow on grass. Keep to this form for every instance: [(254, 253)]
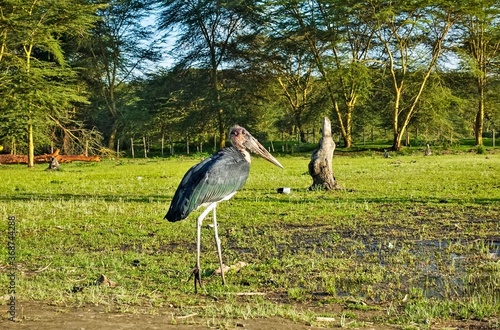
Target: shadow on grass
[(86, 197), (274, 198), (381, 200)]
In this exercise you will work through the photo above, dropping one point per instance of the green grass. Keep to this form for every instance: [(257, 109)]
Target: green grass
[(410, 239)]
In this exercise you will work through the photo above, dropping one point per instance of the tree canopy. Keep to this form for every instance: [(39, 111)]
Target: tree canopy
[(86, 75)]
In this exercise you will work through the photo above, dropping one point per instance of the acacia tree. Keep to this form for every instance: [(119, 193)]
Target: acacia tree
[(297, 82), (285, 58), (121, 47), (348, 43), (173, 99), (38, 84), (206, 30), (339, 43), (410, 37), (479, 50)]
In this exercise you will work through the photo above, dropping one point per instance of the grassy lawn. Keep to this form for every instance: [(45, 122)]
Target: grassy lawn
[(413, 239)]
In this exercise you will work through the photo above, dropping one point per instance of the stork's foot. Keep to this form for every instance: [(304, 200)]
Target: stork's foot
[(197, 278)]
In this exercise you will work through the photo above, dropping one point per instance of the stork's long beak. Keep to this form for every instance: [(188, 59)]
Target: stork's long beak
[(254, 146)]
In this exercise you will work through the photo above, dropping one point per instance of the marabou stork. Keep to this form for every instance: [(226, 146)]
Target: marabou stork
[(215, 179)]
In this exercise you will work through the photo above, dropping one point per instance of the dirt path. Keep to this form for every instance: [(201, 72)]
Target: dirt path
[(39, 316)]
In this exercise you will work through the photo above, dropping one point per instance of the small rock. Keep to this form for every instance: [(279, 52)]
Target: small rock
[(104, 281), (218, 270)]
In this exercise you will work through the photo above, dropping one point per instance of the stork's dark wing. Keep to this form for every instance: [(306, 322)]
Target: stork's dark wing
[(209, 181)]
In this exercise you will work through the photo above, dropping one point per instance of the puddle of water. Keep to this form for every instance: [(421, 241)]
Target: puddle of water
[(441, 269)]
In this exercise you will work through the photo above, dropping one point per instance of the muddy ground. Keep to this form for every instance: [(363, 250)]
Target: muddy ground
[(40, 316)]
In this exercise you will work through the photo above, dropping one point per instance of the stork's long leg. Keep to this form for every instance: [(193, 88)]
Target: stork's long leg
[(197, 270), (219, 250)]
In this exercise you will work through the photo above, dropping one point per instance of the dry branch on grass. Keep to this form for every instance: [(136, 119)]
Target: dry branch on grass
[(47, 158)]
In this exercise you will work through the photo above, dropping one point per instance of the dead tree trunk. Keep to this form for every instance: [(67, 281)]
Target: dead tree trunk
[(428, 150), (320, 166), (54, 164)]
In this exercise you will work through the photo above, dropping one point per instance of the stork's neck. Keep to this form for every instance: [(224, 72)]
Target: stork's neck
[(245, 154)]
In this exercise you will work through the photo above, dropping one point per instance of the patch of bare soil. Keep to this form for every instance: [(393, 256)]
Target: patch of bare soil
[(40, 316)]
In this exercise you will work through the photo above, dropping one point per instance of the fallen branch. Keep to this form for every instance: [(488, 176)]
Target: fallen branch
[(250, 293), (43, 269), (77, 158), (47, 158), (186, 316)]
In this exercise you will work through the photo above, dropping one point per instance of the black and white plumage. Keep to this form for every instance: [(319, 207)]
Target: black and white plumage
[(209, 182), (215, 179)]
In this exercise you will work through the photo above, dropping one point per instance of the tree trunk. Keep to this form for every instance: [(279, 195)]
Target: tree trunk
[(344, 128), (320, 166), (118, 149), (396, 143), (222, 131), (302, 135), (31, 147), (217, 102), (479, 123), (132, 147), (112, 136), (347, 135)]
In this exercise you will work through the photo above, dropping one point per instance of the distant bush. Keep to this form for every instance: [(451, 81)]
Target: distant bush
[(481, 150)]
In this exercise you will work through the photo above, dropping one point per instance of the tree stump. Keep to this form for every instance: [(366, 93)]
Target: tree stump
[(427, 151), (320, 166), (54, 164)]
